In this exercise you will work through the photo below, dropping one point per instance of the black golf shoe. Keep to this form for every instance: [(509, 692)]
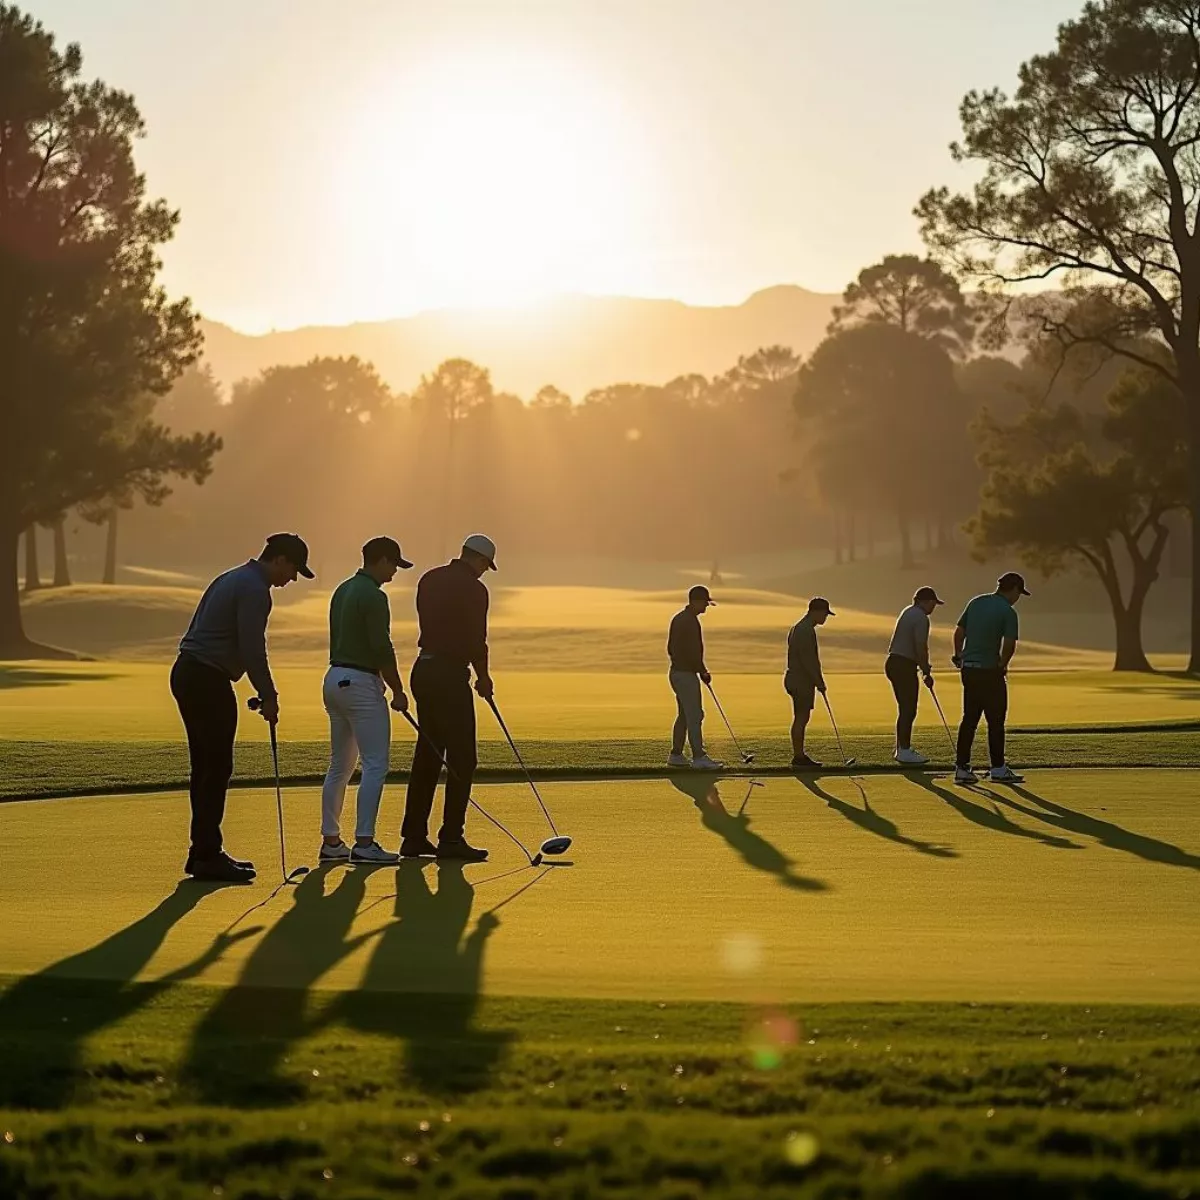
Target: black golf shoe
[(245, 864), (220, 869), (461, 851), (417, 848), (804, 763)]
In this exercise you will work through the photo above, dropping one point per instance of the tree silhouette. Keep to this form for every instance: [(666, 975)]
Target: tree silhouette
[(1089, 178), (85, 329)]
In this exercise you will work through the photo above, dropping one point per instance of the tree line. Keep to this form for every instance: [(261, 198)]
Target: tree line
[(1071, 449)]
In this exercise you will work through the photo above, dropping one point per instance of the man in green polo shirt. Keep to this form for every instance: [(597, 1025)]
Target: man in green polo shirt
[(361, 662), (984, 642)]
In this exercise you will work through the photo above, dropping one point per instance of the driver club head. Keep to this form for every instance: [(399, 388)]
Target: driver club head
[(747, 757), (556, 845), (852, 762)]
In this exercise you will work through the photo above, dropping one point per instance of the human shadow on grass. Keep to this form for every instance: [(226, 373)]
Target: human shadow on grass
[(754, 849), (46, 1019), (235, 1050), (988, 816), (423, 982), (1105, 832), (867, 818)]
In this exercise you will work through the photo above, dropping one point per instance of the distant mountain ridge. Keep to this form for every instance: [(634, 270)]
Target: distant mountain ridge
[(576, 343)]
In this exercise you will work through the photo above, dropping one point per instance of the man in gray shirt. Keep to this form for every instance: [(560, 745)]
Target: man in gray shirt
[(908, 653), (226, 640), (804, 677)]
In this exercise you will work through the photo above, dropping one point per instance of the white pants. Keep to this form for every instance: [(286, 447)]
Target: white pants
[(360, 723)]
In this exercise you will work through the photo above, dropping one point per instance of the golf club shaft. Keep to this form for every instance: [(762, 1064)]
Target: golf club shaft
[(733, 736), (471, 799), (517, 755), (279, 801), (945, 725), (836, 734)]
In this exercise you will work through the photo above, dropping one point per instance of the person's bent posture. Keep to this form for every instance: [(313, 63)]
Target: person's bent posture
[(685, 649), (361, 662), (908, 653), (803, 678)]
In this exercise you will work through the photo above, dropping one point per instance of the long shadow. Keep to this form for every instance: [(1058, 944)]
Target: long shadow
[(867, 818), (30, 677), (988, 817), (46, 1019), (754, 849), (423, 982), (1105, 832), (235, 1050)]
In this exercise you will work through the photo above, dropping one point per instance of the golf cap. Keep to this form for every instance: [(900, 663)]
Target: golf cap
[(483, 545), (820, 604), (292, 547), (698, 593), (385, 547), (926, 593), (1010, 580)]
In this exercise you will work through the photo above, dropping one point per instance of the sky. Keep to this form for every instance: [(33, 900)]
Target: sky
[(366, 159)]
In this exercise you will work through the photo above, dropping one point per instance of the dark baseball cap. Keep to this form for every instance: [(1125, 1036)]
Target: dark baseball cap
[(292, 547), (385, 547), (820, 604), (926, 593), (699, 592), (1010, 580)]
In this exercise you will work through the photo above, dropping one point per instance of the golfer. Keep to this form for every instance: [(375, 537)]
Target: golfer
[(908, 654), (226, 640), (361, 662), (984, 642), (685, 649), (452, 612), (804, 678)]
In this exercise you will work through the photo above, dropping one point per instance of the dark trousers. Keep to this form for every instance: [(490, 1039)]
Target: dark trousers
[(902, 675), (209, 710), (985, 693), (446, 713)]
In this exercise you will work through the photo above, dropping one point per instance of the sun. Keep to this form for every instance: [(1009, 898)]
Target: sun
[(493, 178)]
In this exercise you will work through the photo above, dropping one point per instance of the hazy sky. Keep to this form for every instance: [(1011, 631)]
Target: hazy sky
[(346, 159)]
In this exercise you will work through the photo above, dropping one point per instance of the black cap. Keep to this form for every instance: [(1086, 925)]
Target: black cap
[(292, 547), (820, 604), (698, 593), (1010, 580), (385, 547), (926, 593)]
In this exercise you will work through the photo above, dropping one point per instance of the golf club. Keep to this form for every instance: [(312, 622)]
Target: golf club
[(746, 758), (945, 724), (559, 843), (534, 860), (848, 762), (255, 704), (749, 792)]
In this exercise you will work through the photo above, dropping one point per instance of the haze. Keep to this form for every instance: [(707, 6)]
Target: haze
[(377, 158)]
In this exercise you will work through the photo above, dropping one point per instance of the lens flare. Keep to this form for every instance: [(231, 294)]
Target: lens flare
[(801, 1148), (769, 1036), (741, 954)]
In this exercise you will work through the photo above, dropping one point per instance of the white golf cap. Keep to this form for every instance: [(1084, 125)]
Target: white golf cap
[(482, 544)]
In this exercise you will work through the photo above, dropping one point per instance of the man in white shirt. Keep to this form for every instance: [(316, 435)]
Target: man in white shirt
[(908, 653)]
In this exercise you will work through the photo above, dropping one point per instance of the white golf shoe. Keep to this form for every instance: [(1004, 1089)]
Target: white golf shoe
[(702, 762), (965, 775), (677, 760), (338, 853), (910, 757), (374, 854), (1005, 774)]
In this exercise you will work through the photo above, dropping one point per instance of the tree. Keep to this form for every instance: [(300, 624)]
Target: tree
[(1090, 176), (914, 294), (1061, 495), (877, 397), (85, 328)]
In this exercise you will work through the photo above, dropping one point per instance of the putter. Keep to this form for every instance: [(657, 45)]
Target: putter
[(534, 860), (559, 843), (945, 724), (746, 758), (848, 762), (255, 704)]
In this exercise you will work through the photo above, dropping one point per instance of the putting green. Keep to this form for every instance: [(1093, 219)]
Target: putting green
[(1080, 886)]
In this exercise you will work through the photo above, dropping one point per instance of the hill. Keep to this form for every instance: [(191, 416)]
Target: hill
[(576, 343)]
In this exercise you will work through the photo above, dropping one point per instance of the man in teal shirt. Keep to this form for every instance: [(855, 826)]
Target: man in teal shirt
[(361, 662), (984, 642)]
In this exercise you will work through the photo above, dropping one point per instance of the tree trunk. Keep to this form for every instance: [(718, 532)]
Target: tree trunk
[(850, 536), (906, 554), (870, 537), (837, 538), (13, 642), (62, 572), (1130, 655), (1189, 372), (110, 549), (33, 576)]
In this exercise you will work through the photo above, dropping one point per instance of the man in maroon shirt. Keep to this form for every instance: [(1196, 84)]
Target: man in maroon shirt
[(452, 609)]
